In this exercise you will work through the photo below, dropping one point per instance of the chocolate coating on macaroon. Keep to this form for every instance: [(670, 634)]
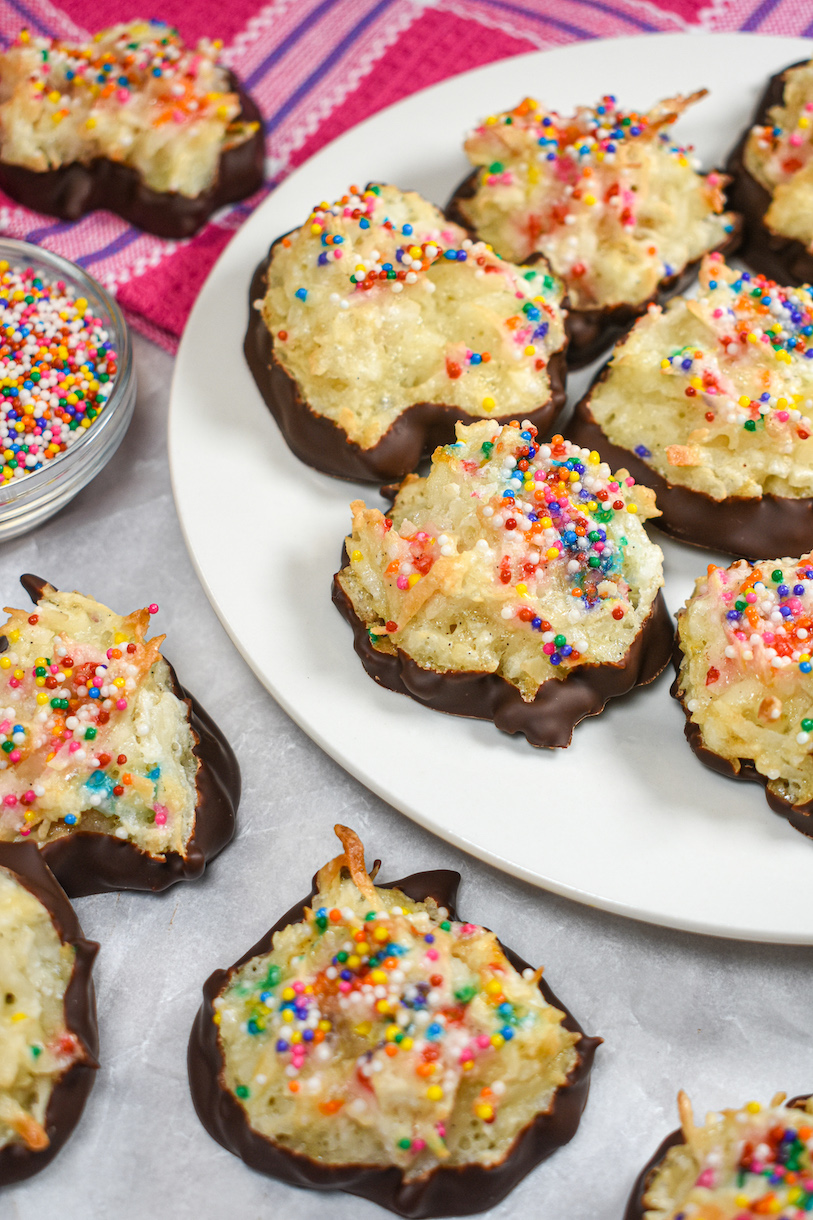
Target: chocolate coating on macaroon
[(71, 1089), (749, 527), (635, 1205), (549, 719), (73, 190), (453, 1191), (93, 862), (783, 259), (319, 442), (799, 816), (593, 331)]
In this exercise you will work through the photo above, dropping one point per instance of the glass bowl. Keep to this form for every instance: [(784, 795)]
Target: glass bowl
[(28, 501)]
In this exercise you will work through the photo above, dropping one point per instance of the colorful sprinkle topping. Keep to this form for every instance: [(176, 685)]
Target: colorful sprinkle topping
[(127, 95), (57, 369), (754, 371), (553, 528), (740, 1165), (388, 1013), (81, 710), (376, 252), (605, 194)]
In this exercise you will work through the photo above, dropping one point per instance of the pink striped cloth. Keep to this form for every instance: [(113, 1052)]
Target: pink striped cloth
[(316, 68)]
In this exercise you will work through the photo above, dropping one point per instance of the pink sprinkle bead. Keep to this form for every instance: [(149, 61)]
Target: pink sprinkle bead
[(483, 1041), (432, 954), (10, 800), (121, 704)]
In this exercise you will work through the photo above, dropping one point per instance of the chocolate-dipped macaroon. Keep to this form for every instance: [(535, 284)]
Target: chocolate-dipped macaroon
[(515, 584), (738, 1164), (108, 765), (372, 1042), (709, 402), (378, 324), (618, 209), (743, 656), (48, 1035), (168, 139), (770, 170)]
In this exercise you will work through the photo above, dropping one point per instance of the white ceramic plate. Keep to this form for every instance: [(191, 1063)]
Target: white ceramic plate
[(626, 818)]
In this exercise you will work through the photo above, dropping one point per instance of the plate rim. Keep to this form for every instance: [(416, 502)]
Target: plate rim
[(243, 239)]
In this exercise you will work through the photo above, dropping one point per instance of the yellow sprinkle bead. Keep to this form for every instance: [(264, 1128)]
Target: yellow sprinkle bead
[(493, 987), (381, 934), (356, 556), (522, 589), (488, 403), (353, 961), (434, 1092), (5, 663), (743, 400), (287, 1015), (632, 508), (392, 1032), (590, 200), (413, 580), (530, 350), (551, 553), (378, 976), (120, 637), (753, 1107), (42, 700), (483, 1111), (288, 993), (497, 1041), (19, 1016)]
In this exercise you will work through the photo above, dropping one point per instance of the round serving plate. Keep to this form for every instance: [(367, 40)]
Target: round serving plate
[(626, 818)]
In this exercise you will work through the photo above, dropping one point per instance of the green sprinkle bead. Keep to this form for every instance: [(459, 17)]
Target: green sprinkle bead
[(777, 576), (807, 725), (241, 1091), (750, 425), (446, 926)]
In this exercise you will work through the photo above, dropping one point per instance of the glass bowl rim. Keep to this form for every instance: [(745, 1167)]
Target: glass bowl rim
[(77, 277)]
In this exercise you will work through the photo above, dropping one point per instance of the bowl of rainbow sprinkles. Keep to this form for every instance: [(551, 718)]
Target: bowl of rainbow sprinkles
[(67, 383)]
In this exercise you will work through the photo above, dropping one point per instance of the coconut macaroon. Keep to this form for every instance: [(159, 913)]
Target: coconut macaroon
[(133, 98), (374, 1042), (709, 401), (378, 324), (104, 761), (48, 1036), (744, 678), (618, 209), (752, 1161), (772, 178), (515, 583)]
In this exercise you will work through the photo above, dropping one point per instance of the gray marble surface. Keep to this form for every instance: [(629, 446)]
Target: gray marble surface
[(727, 1021)]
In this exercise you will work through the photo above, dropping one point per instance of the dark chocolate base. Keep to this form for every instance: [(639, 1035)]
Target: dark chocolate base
[(559, 705), (72, 191), (460, 1191), (799, 816), (323, 444), (70, 1091), (749, 527), (783, 259), (593, 331), (89, 862), (635, 1206)]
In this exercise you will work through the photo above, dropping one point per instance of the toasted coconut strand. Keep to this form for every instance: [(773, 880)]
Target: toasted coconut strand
[(777, 1099), (329, 873), (687, 1125), (31, 1132), (537, 974), (354, 854)]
